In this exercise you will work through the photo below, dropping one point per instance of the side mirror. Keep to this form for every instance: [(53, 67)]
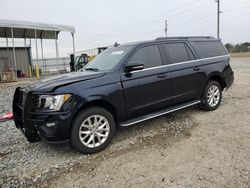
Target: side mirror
[(133, 67)]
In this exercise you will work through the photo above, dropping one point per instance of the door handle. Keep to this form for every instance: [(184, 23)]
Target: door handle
[(162, 76), (196, 68)]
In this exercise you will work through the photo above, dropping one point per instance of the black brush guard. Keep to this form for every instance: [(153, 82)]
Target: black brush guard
[(22, 106)]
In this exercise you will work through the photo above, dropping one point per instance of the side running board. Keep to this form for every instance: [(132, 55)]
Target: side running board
[(159, 113)]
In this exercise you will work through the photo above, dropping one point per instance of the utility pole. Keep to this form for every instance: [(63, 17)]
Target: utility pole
[(166, 28), (218, 18)]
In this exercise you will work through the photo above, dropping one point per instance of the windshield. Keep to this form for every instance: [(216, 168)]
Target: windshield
[(108, 59)]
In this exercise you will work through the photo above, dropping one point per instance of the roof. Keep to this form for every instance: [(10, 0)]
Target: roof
[(16, 47), (23, 29), (187, 38)]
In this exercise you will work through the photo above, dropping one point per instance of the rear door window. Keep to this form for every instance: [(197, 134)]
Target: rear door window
[(177, 52), (149, 56), (211, 48)]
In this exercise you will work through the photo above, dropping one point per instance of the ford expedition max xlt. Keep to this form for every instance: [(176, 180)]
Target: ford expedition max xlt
[(122, 86)]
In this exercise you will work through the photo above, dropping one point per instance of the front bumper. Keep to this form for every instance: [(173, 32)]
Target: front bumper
[(52, 127)]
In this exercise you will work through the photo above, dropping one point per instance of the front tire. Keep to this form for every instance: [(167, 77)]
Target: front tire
[(212, 96), (92, 130)]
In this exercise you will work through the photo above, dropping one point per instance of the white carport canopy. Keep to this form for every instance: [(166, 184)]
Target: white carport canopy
[(26, 29), (32, 30)]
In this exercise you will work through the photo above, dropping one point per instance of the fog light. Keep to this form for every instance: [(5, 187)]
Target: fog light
[(50, 124)]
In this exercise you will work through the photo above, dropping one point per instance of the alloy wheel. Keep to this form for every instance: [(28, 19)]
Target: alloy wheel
[(94, 131), (213, 95)]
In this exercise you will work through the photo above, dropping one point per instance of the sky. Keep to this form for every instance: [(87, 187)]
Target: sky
[(104, 22)]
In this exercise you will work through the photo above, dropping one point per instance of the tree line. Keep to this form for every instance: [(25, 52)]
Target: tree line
[(234, 48)]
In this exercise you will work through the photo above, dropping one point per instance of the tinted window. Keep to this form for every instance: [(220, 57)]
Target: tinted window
[(149, 56), (177, 52), (211, 49)]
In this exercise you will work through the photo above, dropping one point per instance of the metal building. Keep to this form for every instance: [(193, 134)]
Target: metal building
[(23, 60)]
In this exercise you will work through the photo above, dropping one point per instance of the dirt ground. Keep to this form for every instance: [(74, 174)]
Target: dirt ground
[(188, 148), (241, 54)]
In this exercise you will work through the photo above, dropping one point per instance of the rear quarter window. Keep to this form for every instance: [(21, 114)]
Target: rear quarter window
[(210, 48)]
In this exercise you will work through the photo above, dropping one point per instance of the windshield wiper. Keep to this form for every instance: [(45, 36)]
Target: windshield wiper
[(92, 69)]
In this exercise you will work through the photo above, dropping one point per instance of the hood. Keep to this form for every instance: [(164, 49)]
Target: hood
[(47, 85)]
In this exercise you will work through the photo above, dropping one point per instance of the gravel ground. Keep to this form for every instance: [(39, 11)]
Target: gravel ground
[(188, 148)]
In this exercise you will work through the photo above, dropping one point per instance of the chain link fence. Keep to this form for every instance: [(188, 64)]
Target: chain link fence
[(51, 66)]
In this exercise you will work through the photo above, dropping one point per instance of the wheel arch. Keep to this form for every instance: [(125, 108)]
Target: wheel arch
[(217, 77), (98, 103)]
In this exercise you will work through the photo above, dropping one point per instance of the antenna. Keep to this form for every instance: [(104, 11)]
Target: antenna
[(116, 44)]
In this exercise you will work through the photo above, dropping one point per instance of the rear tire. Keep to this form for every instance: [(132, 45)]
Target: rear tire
[(212, 96), (92, 130)]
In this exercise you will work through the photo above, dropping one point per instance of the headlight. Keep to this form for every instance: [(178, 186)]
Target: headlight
[(52, 102)]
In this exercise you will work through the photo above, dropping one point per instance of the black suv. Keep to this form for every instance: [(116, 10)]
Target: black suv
[(124, 85)]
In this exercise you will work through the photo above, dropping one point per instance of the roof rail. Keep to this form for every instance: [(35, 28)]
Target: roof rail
[(185, 37)]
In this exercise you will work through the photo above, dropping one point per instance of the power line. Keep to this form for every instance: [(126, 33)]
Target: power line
[(128, 38), (174, 26), (157, 31), (206, 16), (154, 31), (150, 32), (235, 9), (110, 34), (157, 15), (148, 20), (192, 20)]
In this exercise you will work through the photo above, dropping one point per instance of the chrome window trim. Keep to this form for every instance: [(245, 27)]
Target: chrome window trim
[(180, 63)]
